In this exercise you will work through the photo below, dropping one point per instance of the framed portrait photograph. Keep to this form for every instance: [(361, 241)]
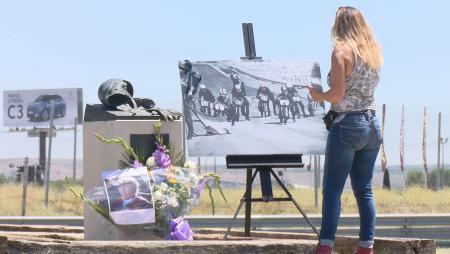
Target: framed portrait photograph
[(129, 196)]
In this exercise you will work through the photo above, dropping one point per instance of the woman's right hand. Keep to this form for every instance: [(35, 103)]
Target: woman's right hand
[(315, 94)]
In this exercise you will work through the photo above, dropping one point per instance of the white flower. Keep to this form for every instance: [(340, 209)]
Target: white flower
[(193, 178), (171, 193), (163, 186), (172, 202), (158, 195), (190, 165), (178, 171), (150, 162)]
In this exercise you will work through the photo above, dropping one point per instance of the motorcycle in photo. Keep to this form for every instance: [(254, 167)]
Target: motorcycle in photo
[(263, 104), (283, 113), (236, 106), (205, 106), (219, 109)]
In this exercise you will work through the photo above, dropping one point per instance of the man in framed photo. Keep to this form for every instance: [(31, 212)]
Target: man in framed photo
[(129, 198)]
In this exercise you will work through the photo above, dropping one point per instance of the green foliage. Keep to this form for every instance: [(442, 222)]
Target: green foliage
[(98, 208), (433, 179), (3, 179), (127, 148), (216, 179), (158, 126), (176, 159), (415, 178)]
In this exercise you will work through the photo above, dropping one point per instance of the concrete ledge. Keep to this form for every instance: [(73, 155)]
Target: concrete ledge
[(346, 244), (42, 240)]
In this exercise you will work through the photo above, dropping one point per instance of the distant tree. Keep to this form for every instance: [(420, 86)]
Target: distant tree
[(3, 179), (415, 178), (386, 180), (432, 180)]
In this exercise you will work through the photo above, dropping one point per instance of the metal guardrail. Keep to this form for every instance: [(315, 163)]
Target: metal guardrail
[(428, 226)]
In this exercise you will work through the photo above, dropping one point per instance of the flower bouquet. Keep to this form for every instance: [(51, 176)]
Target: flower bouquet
[(174, 185)]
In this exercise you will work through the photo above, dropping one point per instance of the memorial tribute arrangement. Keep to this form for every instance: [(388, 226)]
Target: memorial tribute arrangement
[(153, 193)]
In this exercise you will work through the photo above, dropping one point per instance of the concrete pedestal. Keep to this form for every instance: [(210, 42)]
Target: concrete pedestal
[(98, 157)]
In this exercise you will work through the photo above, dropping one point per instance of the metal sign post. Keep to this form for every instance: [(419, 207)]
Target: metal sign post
[(24, 186), (42, 149), (74, 176), (316, 182), (50, 137)]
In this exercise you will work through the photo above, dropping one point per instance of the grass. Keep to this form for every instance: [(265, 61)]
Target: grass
[(63, 203), (410, 200)]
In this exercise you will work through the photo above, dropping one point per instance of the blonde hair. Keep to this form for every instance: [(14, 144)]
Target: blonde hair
[(351, 29)]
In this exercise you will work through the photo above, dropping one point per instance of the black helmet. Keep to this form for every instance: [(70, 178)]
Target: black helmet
[(116, 92), (185, 65)]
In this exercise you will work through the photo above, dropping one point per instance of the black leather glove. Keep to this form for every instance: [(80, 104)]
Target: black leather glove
[(146, 103), (166, 114)]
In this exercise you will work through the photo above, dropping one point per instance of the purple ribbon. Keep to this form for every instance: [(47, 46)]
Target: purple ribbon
[(180, 230), (201, 185)]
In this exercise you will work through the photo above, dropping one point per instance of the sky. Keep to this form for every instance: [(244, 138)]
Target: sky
[(59, 44)]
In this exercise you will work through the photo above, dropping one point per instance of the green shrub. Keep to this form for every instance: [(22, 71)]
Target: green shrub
[(432, 180), (3, 179), (415, 178)]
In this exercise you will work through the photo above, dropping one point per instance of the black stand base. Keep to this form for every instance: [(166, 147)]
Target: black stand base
[(266, 188)]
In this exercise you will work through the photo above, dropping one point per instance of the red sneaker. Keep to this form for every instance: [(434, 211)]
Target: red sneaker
[(324, 249), (362, 250)]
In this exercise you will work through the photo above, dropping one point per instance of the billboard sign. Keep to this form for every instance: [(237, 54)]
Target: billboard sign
[(251, 107), (31, 108)]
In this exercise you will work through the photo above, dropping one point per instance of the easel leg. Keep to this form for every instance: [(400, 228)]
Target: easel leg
[(295, 203), (248, 202), (249, 181), (234, 217)]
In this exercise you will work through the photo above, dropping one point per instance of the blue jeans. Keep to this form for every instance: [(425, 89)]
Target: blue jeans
[(352, 148)]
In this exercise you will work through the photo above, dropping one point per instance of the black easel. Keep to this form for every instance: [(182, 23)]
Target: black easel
[(263, 164)]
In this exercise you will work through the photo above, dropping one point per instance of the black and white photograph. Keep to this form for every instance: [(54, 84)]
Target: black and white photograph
[(251, 107), (129, 196)]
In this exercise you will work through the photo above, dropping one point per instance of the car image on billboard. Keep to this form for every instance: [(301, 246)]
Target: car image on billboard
[(39, 109)]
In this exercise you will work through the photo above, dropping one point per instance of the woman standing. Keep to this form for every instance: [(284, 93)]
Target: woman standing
[(355, 137)]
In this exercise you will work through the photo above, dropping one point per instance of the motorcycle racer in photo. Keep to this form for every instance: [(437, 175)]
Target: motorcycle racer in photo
[(298, 104), (222, 103), (206, 99), (284, 104), (291, 94), (238, 93), (264, 95)]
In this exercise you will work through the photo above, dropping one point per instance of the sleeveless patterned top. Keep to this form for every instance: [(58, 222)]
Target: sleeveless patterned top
[(359, 90)]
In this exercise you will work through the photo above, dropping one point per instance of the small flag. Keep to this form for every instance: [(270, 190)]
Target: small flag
[(383, 154), (402, 139), (424, 140)]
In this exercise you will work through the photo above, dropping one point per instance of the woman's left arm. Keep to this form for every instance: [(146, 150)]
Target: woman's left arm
[(337, 79)]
